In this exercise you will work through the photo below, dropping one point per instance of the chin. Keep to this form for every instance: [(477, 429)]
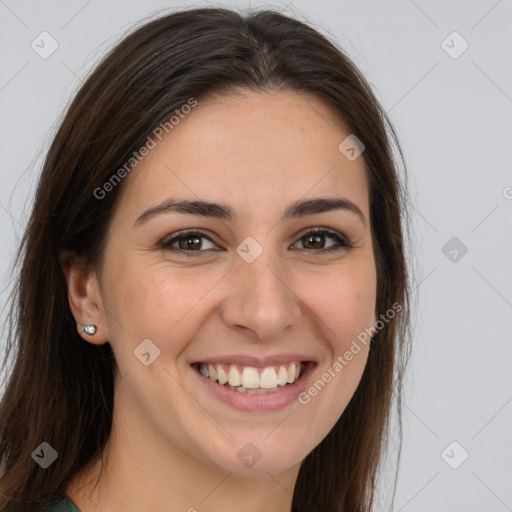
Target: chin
[(252, 458)]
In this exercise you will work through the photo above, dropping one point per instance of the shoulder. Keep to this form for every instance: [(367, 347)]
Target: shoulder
[(60, 503)]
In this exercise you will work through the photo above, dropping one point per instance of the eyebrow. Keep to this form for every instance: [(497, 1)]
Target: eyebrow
[(222, 211)]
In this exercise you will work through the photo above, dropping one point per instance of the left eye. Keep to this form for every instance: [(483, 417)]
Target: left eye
[(191, 241), (318, 236)]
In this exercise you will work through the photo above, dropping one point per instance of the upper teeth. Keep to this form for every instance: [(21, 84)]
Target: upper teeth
[(250, 377)]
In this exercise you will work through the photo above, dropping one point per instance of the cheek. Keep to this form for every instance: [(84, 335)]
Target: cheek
[(344, 303), (344, 306), (150, 301)]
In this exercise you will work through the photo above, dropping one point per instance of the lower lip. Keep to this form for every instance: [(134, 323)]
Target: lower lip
[(258, 402)]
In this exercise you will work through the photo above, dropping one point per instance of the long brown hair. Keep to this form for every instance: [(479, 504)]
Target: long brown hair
[(60, 389)]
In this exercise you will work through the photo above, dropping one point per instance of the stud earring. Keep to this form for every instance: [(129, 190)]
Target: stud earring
[(89, 329)]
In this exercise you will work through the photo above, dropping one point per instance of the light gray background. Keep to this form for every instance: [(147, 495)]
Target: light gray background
[(453, 117)]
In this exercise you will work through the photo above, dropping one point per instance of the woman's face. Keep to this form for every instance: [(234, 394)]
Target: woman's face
[(252, 295)]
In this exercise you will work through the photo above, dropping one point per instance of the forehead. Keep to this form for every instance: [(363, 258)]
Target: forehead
[(250, 148)]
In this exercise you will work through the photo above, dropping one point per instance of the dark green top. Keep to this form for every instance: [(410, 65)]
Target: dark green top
[(61, 504)]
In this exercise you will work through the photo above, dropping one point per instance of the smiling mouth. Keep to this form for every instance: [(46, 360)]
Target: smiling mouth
[(250, 380)]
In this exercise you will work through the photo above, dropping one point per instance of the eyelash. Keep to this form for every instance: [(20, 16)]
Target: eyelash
[(344, 244)]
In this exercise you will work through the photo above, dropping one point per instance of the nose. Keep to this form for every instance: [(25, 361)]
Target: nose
[(261, 299)]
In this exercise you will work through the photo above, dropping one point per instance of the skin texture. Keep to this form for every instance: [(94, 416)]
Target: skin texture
[(174, 446)]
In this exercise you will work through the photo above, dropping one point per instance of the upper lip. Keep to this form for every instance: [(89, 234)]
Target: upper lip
[(253, 361)]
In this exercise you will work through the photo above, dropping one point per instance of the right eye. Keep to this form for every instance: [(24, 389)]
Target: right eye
[(189, 242)]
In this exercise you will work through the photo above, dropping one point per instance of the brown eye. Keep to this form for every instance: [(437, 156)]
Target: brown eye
[(186, 241), (190, 242), (314, 241)]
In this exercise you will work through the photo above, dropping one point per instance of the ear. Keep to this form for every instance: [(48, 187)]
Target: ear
[(84, 298)]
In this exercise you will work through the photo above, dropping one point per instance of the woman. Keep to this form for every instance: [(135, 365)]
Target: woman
[(212, 301)]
